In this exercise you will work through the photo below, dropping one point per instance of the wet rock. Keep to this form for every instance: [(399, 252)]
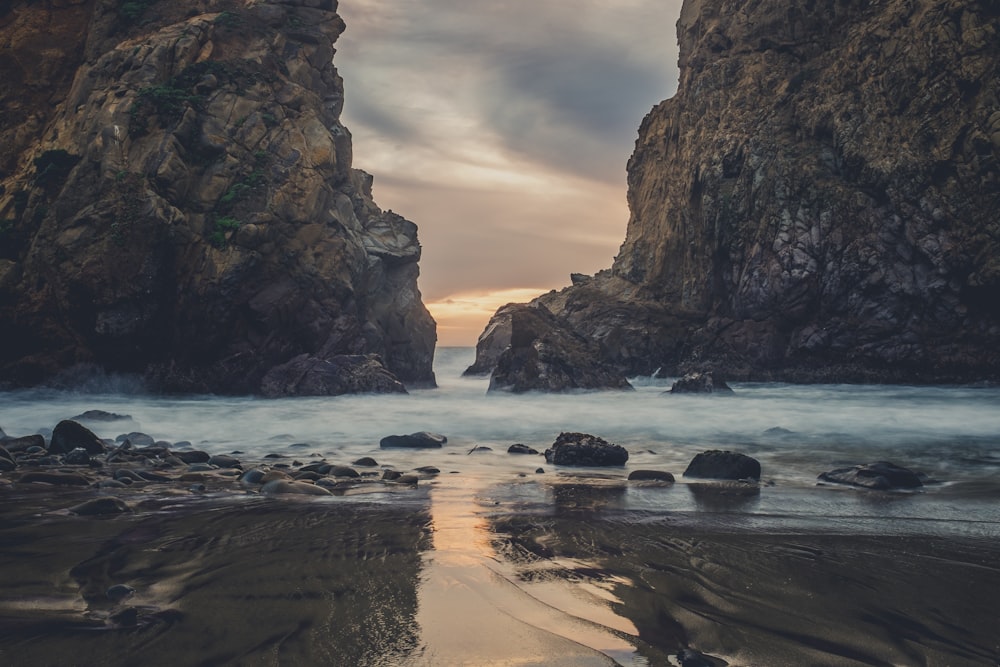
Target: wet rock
[(691, 658), (111, 484), (225, 461), (701, 383), (307, 375), (193, 456), (138, 439), (390, 475), (68, 435), (127, 476), (716, 464), (481, 449), (521, 449), (24, 443), (119, 592), (151, 476), (408, 478), (342, 471), (583, 449), (365, 462), (307, 476), (7, 464), (881, 476), (54, 478), (293, 487), (101, 506), (100, 416), (420, 440), (126, 618), (428, 470), (77, 457), (252, 476), (652, 475)]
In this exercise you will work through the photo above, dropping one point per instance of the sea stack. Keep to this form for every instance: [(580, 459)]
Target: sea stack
[(177, 201), (818, 201)]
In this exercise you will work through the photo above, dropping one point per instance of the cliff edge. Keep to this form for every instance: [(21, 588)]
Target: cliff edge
[(177, 201), (818, 202)]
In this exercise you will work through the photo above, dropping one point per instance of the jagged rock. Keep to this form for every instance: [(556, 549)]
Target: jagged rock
[(540, 354), (341, 374), (186, 210), (817, 202), (700, 383), (420, 440), (68, 435), (881, 475), (716, 464), (583, 449)]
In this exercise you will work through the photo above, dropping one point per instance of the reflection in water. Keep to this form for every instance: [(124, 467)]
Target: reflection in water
[(725, 496)]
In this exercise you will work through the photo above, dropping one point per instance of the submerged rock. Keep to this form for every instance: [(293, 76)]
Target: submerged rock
[(583, 449), (701, 383), (420, 440), (716, 464), (881, 476)]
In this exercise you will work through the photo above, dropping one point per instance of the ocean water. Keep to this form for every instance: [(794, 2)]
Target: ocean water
[(951, 433)]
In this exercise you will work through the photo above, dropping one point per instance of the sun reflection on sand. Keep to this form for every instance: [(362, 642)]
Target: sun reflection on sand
[(475, 608)]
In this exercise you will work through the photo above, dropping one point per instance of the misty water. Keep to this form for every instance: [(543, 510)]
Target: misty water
[(951, 433)]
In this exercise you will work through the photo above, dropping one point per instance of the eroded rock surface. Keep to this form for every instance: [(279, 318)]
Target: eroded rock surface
[(816, 203), (177, 200)]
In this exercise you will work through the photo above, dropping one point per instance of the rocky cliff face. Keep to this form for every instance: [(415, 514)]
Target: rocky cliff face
[(819, 201), (177, 200)]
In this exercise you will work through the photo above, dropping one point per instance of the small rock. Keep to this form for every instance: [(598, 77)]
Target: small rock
[(716, 464), (700, 383), (193, 456), (127, 617), (225, 461), (428, 470), (365, 462), (407, 479), (540, 471), (101, 506), (137, 439), (284, 486), (583, 449), (343, 471), (521, 449), (55, 478), (420, 440), (77, 457), (390, 475), (482, 449), (119, 592), (653, 475)]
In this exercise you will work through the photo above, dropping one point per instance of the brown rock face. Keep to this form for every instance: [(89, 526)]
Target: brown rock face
[(817, 202), (179, 201)]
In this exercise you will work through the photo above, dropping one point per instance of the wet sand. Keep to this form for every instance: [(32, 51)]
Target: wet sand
[(455, 572)]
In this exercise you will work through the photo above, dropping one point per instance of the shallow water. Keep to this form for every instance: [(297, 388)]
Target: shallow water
[(493, 563)]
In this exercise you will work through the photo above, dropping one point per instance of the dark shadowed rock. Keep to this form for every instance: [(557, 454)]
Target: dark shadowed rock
[(100, 416), (137, 439), (881, 475), (119, 592), (716, 464), (68, 435), (651, 475), (101, 506), (521, 449), (342, 374), (701, 383), (342, 471), (193, 456), (365, 462), (225, 461), (420, 440), (539, 353), (24, 443), (77, 457), (583, 449)]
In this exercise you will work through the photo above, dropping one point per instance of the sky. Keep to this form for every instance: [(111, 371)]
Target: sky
[(502, 129)]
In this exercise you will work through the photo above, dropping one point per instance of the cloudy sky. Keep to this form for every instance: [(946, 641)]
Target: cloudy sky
[(502, 128)]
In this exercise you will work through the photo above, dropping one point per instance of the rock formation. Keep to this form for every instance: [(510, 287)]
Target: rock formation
[(817, 202), (177, 201)]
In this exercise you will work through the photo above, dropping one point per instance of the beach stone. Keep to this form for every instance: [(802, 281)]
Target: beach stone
[(390, 475), (68, 435), (6, 465), (480, 449), (717, 464), (252, 476), (343, 471), (407, 479), (127, 617), (54, 478), (77, 457), (583, 449), (151, 476), (540, 471), (365, 462), (225, 461), (701, 383), (24, 443), (137, 439), (119, 592), (881, 476), (193, 456), (691, 658), (428, 470), (101, 506), (101, 416), (307, 475), (293, 487), (653, 475), (123, 474), (521, 449), (420, 440)]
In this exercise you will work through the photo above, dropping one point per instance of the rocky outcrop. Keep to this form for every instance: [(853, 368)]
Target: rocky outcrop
[(177, 201), (817, 202), (531, 350)]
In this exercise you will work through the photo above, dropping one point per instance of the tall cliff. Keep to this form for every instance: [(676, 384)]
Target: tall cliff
[(177, 201), (820, 200)]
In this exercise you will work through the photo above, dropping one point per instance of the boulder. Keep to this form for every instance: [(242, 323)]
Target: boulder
[(716, 464), (420, 440), (701, 383), (24, 443), (307, 375), (651, 475), (68, 435), (582, 449), (542, 354), (881, 476)]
